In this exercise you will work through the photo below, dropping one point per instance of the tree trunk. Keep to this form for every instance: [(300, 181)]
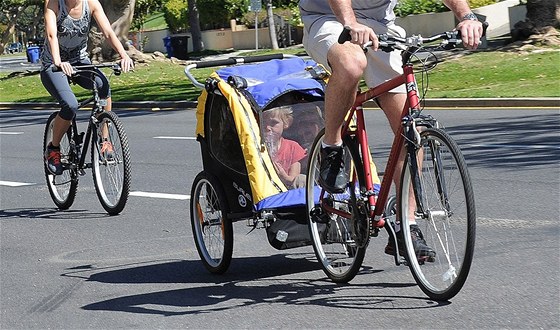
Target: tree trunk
[(542, 15), (271, 25), (194, 25), (12, 16), (119, 13)]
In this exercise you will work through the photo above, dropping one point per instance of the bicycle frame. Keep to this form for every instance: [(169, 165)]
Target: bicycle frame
[(81, 145), (360, 132)]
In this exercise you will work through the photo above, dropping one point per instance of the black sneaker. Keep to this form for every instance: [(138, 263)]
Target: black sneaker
[(332, 176), (423, 251), (52, 160)]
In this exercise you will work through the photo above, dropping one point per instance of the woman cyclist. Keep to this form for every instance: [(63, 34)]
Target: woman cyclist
[(67, 25)]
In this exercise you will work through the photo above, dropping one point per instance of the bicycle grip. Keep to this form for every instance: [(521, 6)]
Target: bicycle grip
[(484, 28), (344, 35)]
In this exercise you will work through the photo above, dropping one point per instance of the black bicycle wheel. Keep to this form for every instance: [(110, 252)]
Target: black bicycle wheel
[(62, 188), (212, 230), (446, 215), (110, 159), (337, 240)]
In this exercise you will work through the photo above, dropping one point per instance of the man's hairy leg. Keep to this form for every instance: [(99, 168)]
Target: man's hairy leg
[(392, 105), (347, 64)]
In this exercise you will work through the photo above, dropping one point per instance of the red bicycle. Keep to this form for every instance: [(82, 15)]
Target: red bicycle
[(434, 183)]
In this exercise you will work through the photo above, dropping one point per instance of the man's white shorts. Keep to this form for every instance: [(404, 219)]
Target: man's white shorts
[(382, 66)]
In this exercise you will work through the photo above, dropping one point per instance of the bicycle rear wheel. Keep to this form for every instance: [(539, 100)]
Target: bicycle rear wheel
[(212, 230), (338, 246), (111, 169), (446, 217), (62, 188)]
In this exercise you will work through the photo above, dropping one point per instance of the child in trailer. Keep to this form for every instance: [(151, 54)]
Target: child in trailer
[(286, 154)]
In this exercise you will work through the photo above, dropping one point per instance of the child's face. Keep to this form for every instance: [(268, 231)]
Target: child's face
[(273, 124), (307, 128)]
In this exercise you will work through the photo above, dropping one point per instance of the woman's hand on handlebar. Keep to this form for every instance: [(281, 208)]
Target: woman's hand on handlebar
[(126, 64), (66, 67), (361, 35), (471, 32)]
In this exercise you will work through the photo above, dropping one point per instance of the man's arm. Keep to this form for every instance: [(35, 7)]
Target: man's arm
[(359, 33)]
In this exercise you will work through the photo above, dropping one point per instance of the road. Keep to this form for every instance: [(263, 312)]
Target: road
[(17, 63), (84, 269)]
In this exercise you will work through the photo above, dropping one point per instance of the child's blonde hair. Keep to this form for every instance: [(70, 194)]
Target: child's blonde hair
[(285, 114)]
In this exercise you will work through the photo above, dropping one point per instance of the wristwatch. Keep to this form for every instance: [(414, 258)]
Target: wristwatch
[(470, 17)]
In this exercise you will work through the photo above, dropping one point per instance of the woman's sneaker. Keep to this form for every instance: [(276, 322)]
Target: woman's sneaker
[(107, 150), (52, 160), (423, 251)]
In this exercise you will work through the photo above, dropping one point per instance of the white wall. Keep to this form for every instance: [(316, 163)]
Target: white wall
[(497, 16), (427, 24)]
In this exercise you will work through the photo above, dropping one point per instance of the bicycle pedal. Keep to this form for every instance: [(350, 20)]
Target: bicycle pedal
[(318, 216), (81, 172)]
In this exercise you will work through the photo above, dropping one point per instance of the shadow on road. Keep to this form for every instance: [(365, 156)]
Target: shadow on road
[(252, 281), (507, 143), (51, 214), (22, 118)]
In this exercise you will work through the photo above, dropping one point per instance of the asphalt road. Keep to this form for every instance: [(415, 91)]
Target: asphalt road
[(83, 269), (17, 63)]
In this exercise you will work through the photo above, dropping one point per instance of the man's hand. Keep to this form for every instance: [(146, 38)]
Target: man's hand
[(360, 34), (471, 32)]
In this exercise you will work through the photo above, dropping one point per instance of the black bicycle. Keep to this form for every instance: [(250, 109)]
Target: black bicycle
[(110, 154)]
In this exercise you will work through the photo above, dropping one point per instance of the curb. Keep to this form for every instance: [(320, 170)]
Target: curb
[(526, 102), (522, 102)]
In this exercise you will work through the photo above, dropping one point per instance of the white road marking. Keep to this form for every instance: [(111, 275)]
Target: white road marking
[(514, 146), (15, 184), (175, 137), (159, 195), (133, 193), (11, 133)]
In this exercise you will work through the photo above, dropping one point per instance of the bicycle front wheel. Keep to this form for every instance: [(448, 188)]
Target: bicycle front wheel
[(110, 159), (62, 188), (212, 230), (445, 213), (339, 245)]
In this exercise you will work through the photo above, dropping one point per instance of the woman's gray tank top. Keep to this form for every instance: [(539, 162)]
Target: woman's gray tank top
[(72, 36)]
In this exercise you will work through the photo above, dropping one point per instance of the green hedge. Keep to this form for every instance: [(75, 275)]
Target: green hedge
[(414, 7)]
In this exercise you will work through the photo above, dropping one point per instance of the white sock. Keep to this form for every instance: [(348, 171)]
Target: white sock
[(324, 145)]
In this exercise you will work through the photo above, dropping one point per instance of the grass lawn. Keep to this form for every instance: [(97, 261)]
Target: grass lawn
[(477, 74), (155, 22)]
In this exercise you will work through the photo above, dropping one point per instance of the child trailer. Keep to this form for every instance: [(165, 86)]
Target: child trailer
[(254, 124)]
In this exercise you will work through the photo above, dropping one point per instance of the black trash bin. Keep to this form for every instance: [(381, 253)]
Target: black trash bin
[(180, 43)]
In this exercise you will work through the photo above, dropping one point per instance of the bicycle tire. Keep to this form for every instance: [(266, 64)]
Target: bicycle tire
[(332, 235), (448, 219), (212, 230), (62, 188), (111, 171)]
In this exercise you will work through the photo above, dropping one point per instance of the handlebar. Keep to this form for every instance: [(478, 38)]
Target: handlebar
[(229, 61), (450, 39), (116, 67)]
